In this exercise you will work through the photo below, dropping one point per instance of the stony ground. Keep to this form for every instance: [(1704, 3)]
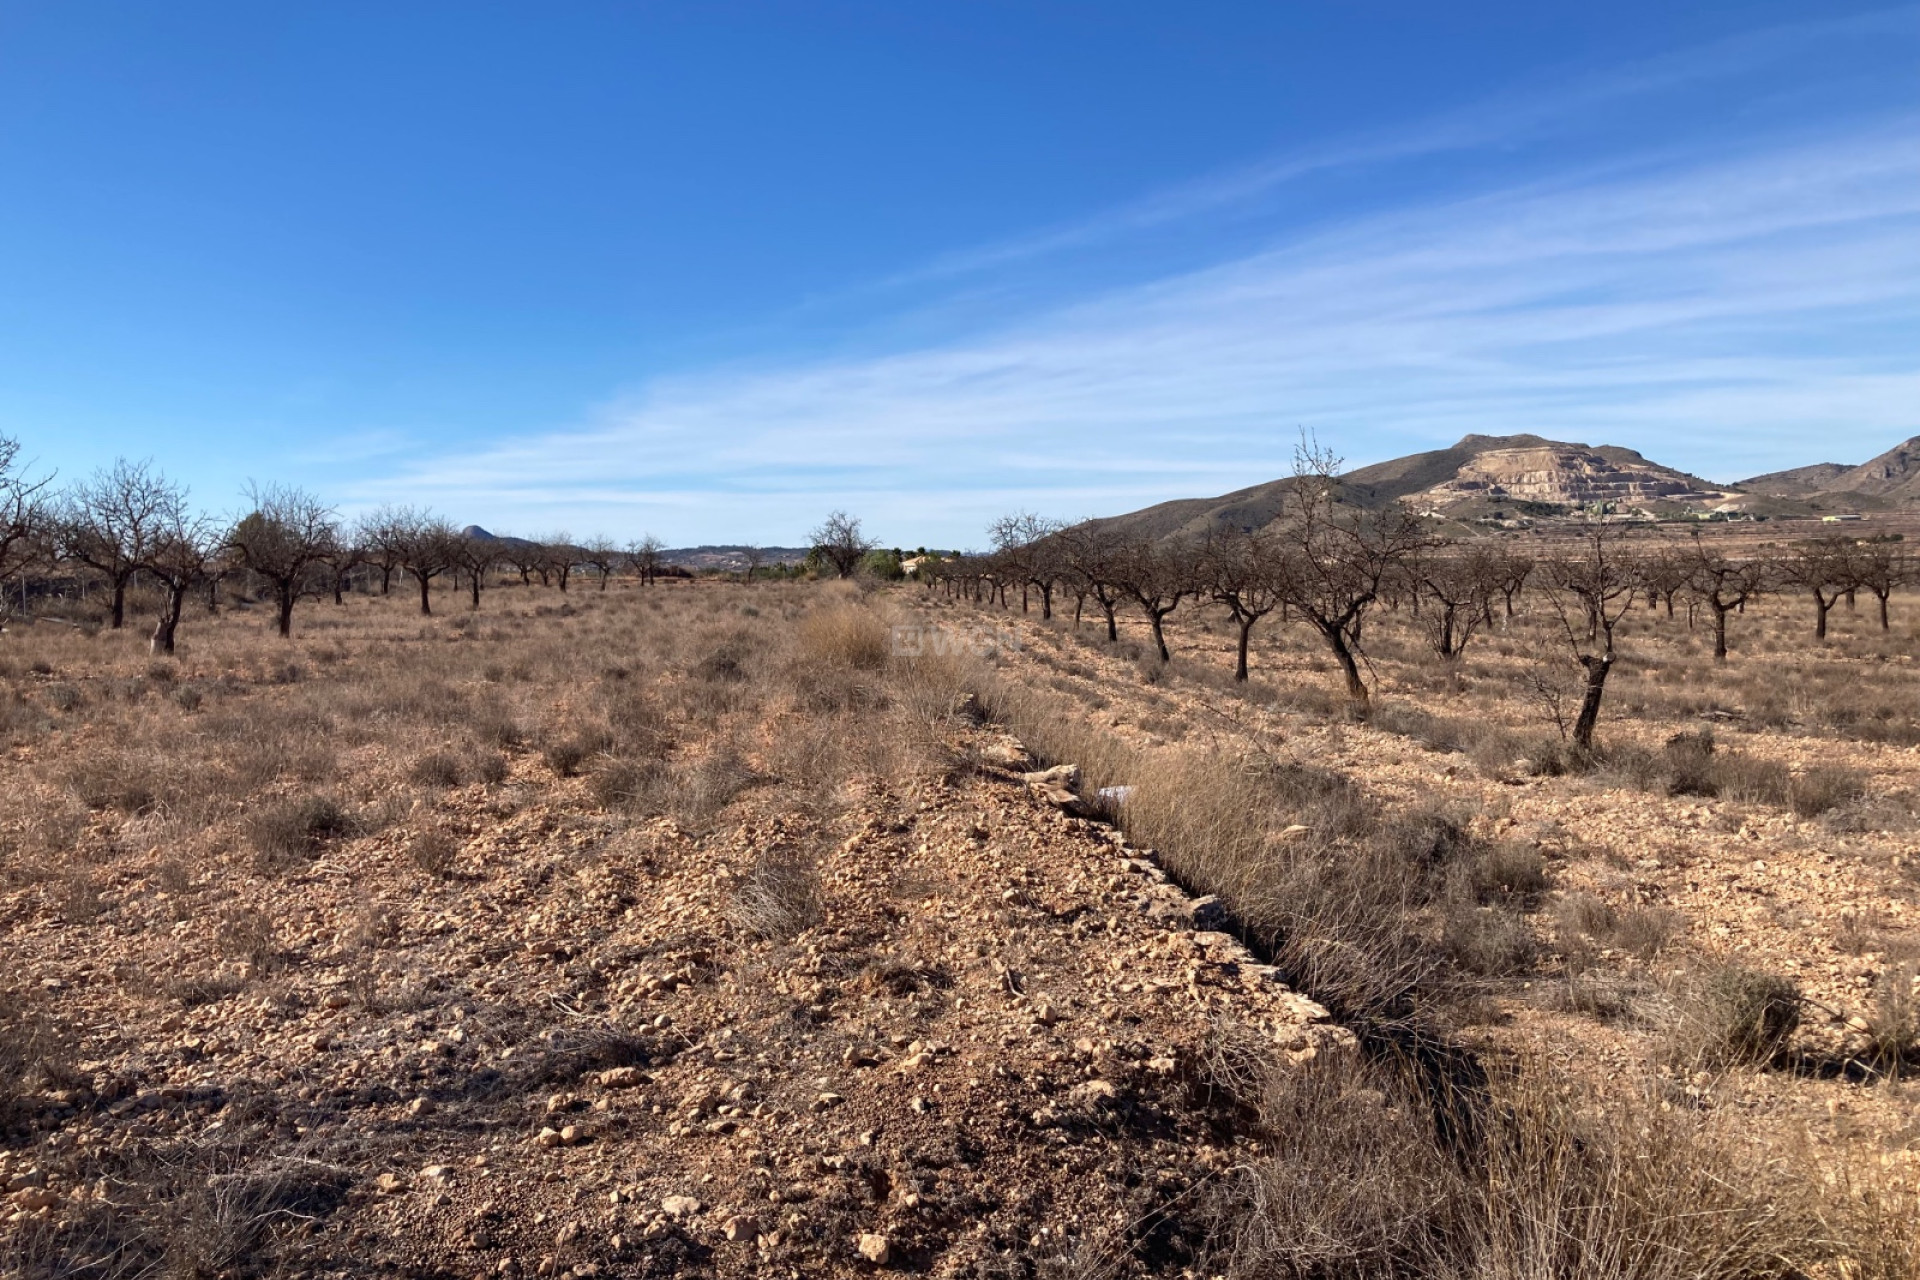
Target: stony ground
[(1831, 901), (943, 1027)]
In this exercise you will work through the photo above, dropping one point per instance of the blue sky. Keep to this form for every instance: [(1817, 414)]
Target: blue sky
[(710, 270)]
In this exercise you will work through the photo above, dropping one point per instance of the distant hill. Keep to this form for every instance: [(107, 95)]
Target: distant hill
[(732, 557), (1478, 477), (1800, 482)]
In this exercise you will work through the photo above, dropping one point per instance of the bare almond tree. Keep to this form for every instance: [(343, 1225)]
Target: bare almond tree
[(1157, 577), (840, 543), (281, 539), (1342, 555), (179, 556), (1723, 584), (1458, 584), (381, 536), (1091, 554), (1591, 591), (1882, 568), (432, 545), (23, 516), (476, 557), (1248, 571), (644, 556), (558, 556), (600, 554), (109, 525), (1824, 568), (1027, 550), (753, 558)]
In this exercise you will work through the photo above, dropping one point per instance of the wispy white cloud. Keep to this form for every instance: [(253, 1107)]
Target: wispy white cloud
[(1727, 313)]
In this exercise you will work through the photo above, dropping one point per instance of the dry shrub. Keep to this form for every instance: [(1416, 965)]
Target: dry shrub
[(1348, 1184), (1825, 787), (286, 831), (1493, 941), (621, 783), (779, 896), (1893, 1028), (844, 635), (1726, 1015), (1582, 918), (701, 789), (249, 936), (433, 851), (1612, 1188), (32, 1048), (115, 780), (437, 769), (490, 767)]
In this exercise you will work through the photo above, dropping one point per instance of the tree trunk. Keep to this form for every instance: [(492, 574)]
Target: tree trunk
[(1719, 631), (1159, 636), (426, 595), (162, 641), (1597, 669), (386, 578), (473, 584), (1113, 629), (1246, 621), (1820, 605), (119, 604), (1883, 610), (1046, 602), (1357, 694), (287, 593)]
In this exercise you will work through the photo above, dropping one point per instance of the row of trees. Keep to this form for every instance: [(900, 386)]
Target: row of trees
[(129, 523), (1329, 563)]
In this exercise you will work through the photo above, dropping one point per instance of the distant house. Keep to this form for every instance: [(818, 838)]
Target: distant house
[(1840, 518)]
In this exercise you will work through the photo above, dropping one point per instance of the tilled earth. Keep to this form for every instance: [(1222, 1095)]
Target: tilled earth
[(577, 1052)]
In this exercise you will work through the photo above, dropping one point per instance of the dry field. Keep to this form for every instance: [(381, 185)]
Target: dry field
[(689, 930)]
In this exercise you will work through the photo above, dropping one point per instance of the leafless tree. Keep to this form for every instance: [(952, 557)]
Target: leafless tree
[(1882, 568), (281, 539), (23, 516), (1664, 573), (644, 556), (381, 536), (1723, 584), (110, 521), (1157, 576), (558, 556), (840, 543), (179, 556), (1091, 556), (1825, 569), (600, 553), (1459, 584), (1596, 586), (1024, 545), (432, 546), (1248, 572), (754, 557), (476, 557), (1342, 554)]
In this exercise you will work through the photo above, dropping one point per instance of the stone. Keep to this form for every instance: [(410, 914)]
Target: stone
[(680, 1206), (741, 1227), (622, 1078), (549, 1137), (875, 1248), (422, 1106), (573, 1135), (1008, 753)]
